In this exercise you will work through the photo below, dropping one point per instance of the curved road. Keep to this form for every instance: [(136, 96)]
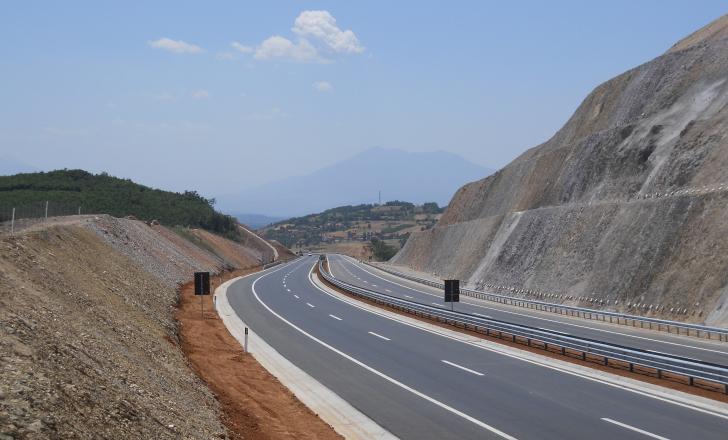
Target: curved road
[(351, 271), (421, 384)]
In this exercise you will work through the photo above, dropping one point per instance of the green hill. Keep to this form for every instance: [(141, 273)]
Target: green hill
[(104, 194), (392, 222)]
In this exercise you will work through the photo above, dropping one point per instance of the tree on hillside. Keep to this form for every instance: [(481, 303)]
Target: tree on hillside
[(381, 250)]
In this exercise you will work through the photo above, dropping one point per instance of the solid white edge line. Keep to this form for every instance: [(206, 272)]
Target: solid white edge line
[(463, 368), (379, 373), (632, 428), (379, 336), (590, 375), (346, 420), (644, 338), (335, 317)]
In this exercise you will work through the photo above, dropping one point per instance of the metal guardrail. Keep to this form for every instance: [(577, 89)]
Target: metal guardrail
[(661, 363), (697, 330)]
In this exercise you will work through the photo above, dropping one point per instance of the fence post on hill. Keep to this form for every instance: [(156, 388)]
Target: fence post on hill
[(46, 210), (12, 223), (79, 210)]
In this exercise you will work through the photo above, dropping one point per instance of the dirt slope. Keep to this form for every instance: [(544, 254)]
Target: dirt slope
[(88, 343), (88, 335), (626, 203)]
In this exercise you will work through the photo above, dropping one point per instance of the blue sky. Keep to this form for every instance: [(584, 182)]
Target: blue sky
[(156, 91)]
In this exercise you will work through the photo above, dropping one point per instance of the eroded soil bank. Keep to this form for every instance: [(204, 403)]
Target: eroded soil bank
[(254, 404)]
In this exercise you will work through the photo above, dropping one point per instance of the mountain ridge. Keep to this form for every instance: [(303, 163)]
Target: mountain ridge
[(400, 175)]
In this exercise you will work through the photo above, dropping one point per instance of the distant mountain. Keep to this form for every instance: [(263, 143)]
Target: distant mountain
[(9, 166), (257, 221), (400, 175)]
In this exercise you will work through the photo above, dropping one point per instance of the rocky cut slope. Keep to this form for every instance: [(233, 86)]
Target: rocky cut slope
[(88, 340), (627, 203)]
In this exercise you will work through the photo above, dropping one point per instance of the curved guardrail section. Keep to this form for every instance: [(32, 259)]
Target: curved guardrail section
[(692, 369), (600, 315)]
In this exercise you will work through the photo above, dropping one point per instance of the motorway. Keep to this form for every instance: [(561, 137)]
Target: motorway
[(422, 384), (351, 271)]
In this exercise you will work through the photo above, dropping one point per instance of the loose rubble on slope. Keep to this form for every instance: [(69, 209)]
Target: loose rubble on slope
[(88, 337)]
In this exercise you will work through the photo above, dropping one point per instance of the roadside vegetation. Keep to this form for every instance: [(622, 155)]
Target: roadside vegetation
[(105, 194), (381, 251)]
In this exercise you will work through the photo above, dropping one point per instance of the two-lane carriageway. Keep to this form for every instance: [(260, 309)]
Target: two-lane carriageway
[(353, 272), (419, 383)]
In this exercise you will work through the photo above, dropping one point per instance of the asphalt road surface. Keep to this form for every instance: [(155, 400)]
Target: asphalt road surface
[(351, 271), (420, 384)]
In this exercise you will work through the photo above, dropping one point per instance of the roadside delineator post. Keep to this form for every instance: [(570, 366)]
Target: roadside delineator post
[(202, 287), (245, 345), (12, 223)]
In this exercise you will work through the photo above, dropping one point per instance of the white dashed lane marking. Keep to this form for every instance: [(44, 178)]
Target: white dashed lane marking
[(379, 336), (632, 428), (463, 368)]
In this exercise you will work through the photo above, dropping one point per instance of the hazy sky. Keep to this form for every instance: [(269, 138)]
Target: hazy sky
[(216, 96)]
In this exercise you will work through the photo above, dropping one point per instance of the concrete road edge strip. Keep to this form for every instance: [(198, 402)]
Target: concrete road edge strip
[(697, 403), (344, 418)]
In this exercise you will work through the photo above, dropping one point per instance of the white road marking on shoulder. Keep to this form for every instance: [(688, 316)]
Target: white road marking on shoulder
[(296, 296), (632, 428), (387, 290), (379, 336), (409, 296), (288, 290), (483, 316), (310, 305), (335, 317), (437, 304), (463, 368)]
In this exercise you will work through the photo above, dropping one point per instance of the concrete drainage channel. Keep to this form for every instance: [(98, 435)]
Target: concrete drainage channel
[(693, 372), (342, 416), (680, 328)]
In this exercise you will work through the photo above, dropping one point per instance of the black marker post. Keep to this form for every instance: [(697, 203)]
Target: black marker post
[(202, 287)]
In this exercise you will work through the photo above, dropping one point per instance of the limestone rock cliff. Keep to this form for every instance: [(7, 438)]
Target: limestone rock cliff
[(627, 204)]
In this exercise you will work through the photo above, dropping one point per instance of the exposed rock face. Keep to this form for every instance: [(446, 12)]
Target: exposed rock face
[(627, 202)]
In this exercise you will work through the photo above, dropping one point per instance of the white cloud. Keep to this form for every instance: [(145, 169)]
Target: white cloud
[(241, 47), (201, 94), (281, 47), (176, 46), (322, 86), (321, 25)]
